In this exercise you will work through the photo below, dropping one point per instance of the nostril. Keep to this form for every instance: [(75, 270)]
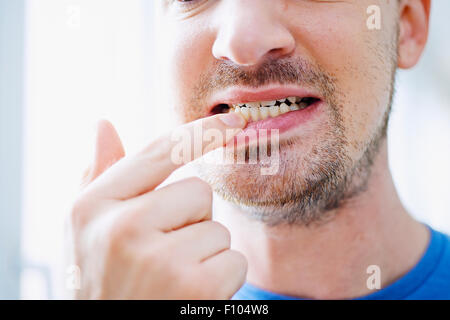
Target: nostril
[(275, 50), (279, 52)]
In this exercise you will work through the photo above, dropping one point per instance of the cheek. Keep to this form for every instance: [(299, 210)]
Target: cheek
[(188, 56), (360, 61)]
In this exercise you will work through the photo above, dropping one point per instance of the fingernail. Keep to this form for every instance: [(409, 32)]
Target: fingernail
[(233, 120)]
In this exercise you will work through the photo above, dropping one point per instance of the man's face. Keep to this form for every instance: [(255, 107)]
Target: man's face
[(230, 52)]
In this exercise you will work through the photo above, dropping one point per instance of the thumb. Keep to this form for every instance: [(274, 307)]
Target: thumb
[(108, 150)]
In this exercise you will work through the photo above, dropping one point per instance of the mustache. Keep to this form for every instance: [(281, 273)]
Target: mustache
[(284, 71)]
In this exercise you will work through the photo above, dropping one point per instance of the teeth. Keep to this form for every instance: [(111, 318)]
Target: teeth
[(254, 114), (294, 107), (292, 99), (268, 103), (264, 112), (255, 111), (284, 108), (274, 111), (246, 113), (253, 104)]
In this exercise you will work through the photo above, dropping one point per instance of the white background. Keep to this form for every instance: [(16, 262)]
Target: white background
[(92, 59)]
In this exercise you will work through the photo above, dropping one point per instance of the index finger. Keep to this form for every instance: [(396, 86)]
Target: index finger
[(140, 173)]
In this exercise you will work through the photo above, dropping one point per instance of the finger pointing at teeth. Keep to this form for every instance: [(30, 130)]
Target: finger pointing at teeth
[(140, 173), (134, 242)]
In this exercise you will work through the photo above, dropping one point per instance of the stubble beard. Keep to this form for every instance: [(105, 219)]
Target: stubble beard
[(308, 185)]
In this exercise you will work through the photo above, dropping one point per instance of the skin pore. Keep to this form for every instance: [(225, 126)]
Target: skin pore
[(332, 210)]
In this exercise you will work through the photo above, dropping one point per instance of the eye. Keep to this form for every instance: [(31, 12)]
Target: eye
[(187, 5), (185, 2)]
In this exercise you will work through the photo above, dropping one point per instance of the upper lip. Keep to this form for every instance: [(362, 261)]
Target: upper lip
[(238, 95)]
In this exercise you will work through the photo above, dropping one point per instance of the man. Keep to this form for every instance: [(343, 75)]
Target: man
[(327, 224)]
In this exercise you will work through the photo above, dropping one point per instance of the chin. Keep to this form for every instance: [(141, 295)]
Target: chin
[(311, 175)]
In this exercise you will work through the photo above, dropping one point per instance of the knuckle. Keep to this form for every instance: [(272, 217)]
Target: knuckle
[(201, 186), (201, 195), (79, 213), (161, 262), (240, 261), (128, 229), (121, 231), (237, 264), (219, 230), (157, 150)]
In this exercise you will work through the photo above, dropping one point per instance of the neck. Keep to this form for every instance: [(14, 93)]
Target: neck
[(330, 261)]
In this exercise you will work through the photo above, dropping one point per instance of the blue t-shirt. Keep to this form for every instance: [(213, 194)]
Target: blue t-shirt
[(428, 280)]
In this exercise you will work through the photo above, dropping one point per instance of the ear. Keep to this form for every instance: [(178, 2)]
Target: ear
[(414, 26)]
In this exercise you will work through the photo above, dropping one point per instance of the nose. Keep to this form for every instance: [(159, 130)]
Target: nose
[(252, 31)]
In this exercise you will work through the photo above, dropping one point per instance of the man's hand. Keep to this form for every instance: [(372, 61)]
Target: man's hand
[(134, 242)]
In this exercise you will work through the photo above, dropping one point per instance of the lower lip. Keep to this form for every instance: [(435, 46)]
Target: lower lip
[(285, 122)]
